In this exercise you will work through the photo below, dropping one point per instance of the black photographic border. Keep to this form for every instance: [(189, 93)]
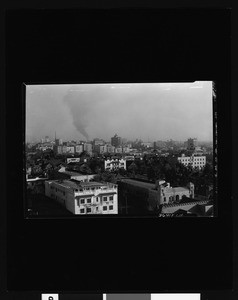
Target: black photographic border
[(226, 211)]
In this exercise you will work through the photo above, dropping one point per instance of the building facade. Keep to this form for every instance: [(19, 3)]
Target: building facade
[(73, 160), (191, 144), (82, 198), (88, 148), (143, 197), (116, 141), (79, 148), (114, 164), (168, 194), (194, 161)]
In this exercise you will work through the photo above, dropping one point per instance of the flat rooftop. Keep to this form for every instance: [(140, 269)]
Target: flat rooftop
[(139, 183), (77, 184), (151, 186)]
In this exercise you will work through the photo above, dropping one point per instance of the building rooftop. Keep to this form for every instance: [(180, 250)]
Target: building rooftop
[(139, 183), (95, 184), (77, 184)]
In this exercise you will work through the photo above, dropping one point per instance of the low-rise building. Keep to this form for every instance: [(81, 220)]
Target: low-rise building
[(129, 158), (83, 198), (168, 194), (139, 197), (194, 161), (73, 160), (114, 164)]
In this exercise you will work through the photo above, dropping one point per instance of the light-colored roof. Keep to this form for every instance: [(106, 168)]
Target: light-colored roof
[(77, 184)]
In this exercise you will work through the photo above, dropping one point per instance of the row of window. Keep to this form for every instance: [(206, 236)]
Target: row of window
[(195, 163), (89, 209), (92, 189), (87, 189), (89, 200), (195, 160)]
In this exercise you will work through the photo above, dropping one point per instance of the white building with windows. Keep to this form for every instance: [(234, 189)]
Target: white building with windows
[(193, 161), (82, 198), (114, 164)]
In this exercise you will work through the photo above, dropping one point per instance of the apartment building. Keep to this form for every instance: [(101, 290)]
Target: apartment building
[(82, 198), (193, 161)]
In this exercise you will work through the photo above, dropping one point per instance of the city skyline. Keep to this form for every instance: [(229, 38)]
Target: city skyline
[(149, 111)]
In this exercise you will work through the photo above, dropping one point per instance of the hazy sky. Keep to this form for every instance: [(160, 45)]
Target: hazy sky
[(148, 111)]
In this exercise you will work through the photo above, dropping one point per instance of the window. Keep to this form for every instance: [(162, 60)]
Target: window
[(89, 200), (164, 199), (82, 201), (104, 207), (110, 207), (96, 208), (88, 209), (76, 190), (111, 198), (104, 198), (82, 210)]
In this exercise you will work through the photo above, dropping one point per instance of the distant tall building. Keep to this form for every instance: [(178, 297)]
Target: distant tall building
[(116, 141), (191, 144), (59, 149), (98, 142), (47, 139), (79, 148), (88, 148)]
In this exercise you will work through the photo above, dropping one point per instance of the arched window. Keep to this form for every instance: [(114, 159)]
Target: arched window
[(177, 198)]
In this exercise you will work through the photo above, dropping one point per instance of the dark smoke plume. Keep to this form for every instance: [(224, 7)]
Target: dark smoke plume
[(79, 109)]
